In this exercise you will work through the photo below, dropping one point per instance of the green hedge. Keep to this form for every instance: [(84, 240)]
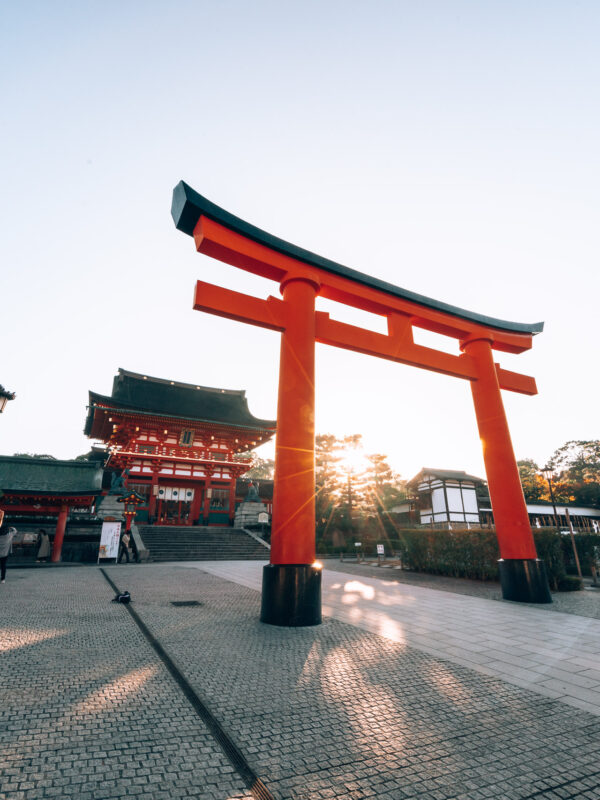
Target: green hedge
[(456, 553), (474, 553), (548, 544)]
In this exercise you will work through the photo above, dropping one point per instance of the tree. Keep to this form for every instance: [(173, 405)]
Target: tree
[(384, 487), (579, 459), (354, 491), (328, 484), (534, 486), (260, 469), (577, 463)]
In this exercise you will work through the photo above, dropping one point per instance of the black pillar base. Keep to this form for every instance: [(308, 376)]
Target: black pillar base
[(524, 580), (291, 595)]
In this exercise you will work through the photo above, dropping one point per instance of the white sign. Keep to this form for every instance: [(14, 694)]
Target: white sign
[(109, 540), (263, 517), (357, 544), (380, 550)]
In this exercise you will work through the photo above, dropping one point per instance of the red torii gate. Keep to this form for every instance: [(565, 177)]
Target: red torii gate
[(292, 581)]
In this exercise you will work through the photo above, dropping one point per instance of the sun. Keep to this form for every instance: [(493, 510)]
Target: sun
[(352, 460)]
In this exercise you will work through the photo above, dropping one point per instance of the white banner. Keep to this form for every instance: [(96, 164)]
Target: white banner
[(109, 540)]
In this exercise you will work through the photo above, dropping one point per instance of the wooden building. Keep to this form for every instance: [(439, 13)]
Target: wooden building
[(442, 498), (178, 445), (445, 497), (47, 492)]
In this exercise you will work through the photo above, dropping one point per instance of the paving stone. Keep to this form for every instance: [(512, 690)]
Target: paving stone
[(324, 712)]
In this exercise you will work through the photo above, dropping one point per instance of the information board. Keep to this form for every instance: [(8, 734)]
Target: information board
[(109, 540)]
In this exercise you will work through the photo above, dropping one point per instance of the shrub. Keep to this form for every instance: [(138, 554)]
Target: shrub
[(570, 583), (465, 553), (456, 553), (585, 543), (549, 546)]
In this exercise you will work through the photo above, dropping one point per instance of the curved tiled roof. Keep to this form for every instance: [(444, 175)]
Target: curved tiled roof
[(188, 206), (136, 392), (445, 474), (49, 476)]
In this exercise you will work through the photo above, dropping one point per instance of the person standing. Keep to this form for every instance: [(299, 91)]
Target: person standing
[(44, 550), (135, 555), (124, 549), (6, 536)]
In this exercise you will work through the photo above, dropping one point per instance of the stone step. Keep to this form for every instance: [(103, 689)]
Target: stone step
[(167, 543)]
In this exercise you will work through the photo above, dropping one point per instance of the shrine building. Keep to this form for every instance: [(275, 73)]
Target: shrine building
[(449, 496), (183, 447)]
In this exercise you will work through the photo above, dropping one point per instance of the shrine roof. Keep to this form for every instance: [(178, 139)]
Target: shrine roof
[(49, 476), (188, 206), (143, 394), (445, 474)]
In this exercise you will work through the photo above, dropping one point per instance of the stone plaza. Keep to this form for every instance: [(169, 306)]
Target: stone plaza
[(411, 687)]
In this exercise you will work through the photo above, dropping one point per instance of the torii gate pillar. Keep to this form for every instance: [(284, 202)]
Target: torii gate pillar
[(292, 581), (522, 573)]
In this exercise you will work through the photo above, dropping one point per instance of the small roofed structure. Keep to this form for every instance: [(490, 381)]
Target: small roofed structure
[(40, 490), (443, 497), (183, 446), (446, 496)]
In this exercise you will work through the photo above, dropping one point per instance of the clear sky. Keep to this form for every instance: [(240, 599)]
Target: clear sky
[(451, 148)]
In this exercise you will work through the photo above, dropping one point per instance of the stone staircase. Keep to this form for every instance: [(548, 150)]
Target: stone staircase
[(171, 543)]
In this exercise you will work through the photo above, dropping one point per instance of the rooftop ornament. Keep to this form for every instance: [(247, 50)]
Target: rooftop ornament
[(5, 396)]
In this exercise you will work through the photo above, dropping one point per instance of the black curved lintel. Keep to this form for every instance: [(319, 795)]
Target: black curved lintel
[(188, 206)]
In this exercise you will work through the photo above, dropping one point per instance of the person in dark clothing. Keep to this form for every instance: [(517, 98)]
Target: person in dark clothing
[(6, 536), (135, 555), (124, 549)]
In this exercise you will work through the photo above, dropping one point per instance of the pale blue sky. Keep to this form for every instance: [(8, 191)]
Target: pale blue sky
[(447, 147)]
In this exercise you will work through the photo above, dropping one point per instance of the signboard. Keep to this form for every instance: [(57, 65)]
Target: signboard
[(263, 518), (380, 550), (357, 544), (109, 540)]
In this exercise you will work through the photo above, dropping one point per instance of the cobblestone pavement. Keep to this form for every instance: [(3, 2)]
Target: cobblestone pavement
[(89, 711), (584, 603)]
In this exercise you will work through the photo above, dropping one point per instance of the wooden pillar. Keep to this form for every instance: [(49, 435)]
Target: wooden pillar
[(522, 575), (232, 500), (206, 504), (153, 496), (196, 506), (60, 533), (292, 582)]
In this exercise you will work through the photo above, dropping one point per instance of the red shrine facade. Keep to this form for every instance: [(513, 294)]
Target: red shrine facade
[(182, 447)]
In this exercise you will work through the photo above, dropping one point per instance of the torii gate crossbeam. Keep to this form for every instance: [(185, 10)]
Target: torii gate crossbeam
[(292, 581)]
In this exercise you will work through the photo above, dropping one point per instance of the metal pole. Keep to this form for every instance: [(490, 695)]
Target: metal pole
[(549, 479)]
